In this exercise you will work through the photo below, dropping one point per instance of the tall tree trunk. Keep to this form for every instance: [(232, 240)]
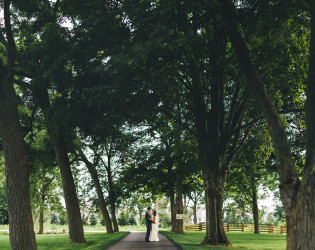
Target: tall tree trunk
[(41, 208), (214, 188), (300, 229), (100, 196), (41, 220), (297, 196), (179, 229), (16, 158), (113, 214), (76, 232), (173, 209), (185, 204), (57, 135), (140, 212), (213, 138), (101, 201), (195, 213), (112, 197), (16, 171), (255, 208)]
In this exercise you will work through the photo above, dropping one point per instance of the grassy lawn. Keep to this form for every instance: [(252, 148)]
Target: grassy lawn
[(61, 241), (97, 227), (192, 240)]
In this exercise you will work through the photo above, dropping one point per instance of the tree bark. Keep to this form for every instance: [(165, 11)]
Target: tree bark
[(140, 212), (41, 208), (101, 201), (16, 171), (215, 234), (112, 199), (255, 208), (41, 220), (99, 191), (173, 209), (179, 229), (195, 213), (16, 158), (76, 232)]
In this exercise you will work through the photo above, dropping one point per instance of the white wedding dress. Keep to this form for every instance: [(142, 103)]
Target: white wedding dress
[(155, 231)]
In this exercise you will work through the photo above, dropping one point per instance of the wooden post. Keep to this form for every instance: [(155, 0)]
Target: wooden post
[(281, 229), (200, 226), (228, 227), (243, 227)]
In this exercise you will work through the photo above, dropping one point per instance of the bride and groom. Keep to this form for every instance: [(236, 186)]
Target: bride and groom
[(152, 225)]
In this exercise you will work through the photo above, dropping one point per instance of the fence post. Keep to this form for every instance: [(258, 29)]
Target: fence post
[(281, 229), (270, 229), (243, 227), (227, 227), (200, 226)]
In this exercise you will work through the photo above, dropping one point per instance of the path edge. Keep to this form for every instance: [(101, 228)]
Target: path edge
[(162, 232), (118, 240)]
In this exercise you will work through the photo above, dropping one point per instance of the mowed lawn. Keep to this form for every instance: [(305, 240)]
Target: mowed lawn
[(192, 240), (61, 241)]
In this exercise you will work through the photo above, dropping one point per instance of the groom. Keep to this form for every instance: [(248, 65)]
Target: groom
[(148, 223)]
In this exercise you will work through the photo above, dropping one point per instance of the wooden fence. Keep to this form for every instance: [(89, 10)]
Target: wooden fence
[(241, 227)]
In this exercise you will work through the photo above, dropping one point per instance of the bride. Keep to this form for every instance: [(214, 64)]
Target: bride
[(155, 228)]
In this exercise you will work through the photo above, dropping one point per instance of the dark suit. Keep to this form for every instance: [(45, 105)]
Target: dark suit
[(148, 224)]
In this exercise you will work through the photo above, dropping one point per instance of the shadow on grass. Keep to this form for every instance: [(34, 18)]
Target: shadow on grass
[(61, 241), (239, 240)]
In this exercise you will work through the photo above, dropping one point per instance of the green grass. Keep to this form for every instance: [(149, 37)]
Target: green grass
[(97, 227), (192, 240), (61, 241)]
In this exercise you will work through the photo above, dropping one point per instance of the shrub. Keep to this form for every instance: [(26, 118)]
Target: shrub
[(63, 218), (54, 218), (122, 220), (93, 221), (142, 222), (132, 220), (164, 220), (102, 222), (84, 221)]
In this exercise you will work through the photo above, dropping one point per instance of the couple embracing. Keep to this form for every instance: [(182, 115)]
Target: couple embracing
[(152, 226)]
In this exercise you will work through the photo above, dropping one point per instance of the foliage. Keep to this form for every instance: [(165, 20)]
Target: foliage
[(54, 218), (132, 220), (123, 219), (164, 220), (93, 220)]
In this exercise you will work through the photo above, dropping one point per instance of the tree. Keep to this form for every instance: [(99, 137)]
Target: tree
[(132, 221), (122, 220), (195, 194), (297, 200), (93, 220), (15, 154), (44, 176), (250, 171), (54, 218), (91, 166), (211, 96)]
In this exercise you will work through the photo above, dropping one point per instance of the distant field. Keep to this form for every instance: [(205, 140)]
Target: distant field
[(192, 240), (61, 241)]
